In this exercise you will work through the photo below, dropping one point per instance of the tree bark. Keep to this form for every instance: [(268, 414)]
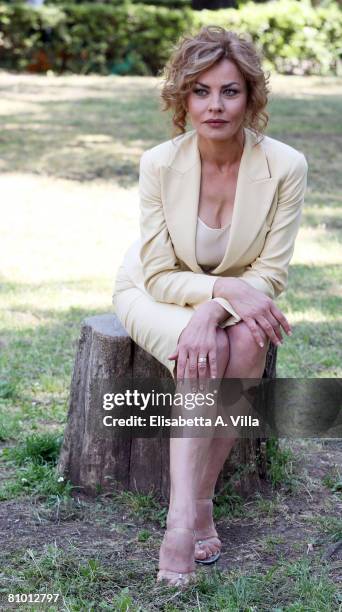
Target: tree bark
[(96, 463)]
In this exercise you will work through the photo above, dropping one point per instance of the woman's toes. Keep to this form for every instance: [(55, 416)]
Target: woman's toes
[(204, 552), (200, 552), (205, 549)]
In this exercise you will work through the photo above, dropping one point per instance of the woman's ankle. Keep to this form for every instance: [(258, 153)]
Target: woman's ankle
[(182, 515), (204, 516)]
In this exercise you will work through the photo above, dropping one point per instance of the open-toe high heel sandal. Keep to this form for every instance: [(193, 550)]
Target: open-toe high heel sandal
[(175, 570), (208, 536)]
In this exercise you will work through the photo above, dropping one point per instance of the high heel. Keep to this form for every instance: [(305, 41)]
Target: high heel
[(176, 571), (208, 536)]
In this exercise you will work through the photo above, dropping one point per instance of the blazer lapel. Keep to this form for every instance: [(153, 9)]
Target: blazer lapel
[(254, 195), (181, 190), (181, 182)]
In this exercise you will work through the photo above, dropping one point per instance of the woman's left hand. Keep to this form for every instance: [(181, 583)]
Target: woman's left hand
[(198, 340)]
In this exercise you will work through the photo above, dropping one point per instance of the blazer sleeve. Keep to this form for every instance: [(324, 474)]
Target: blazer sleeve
[(269, 272), (163, 278)]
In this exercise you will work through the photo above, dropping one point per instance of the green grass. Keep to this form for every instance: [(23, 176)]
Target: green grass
[(37, 448), (227, 502), (267, 506), (33, 469), (142, 507), (333, 480), (280, 465), (330, 526), (40, 481), (85, 583)]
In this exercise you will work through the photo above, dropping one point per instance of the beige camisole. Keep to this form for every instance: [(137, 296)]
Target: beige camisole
[(211, 244)]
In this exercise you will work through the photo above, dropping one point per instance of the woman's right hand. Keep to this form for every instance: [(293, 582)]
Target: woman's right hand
[(255, 308)]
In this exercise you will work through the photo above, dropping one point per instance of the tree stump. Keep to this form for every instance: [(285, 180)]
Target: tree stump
[(98, 464)]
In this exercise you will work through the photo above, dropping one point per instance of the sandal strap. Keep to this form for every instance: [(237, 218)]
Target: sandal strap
[(181, 528), (208, 538)]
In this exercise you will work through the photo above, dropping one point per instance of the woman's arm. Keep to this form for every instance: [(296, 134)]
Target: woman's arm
[(163, 278)]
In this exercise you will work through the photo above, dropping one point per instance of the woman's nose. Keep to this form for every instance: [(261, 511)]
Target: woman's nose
[(215, 104)]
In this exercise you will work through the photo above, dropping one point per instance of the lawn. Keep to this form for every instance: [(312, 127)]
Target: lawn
[(70, 149)]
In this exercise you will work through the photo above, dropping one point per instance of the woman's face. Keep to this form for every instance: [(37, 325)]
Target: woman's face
[(218, 93)]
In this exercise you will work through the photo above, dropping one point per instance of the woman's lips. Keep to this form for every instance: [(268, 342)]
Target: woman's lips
[(216, 123)]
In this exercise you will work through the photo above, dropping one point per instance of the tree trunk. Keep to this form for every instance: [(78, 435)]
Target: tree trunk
[(96, 463)]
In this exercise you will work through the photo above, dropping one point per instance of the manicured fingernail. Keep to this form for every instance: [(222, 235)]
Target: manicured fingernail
[(261, 344), (290, 333), (201, 387)]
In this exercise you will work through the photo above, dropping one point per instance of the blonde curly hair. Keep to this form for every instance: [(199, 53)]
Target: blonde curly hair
[(193, 55)]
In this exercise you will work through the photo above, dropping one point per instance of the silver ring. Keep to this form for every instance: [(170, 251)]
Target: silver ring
[(202, 360)]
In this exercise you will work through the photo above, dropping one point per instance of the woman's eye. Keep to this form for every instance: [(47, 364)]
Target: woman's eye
[(230, 92)]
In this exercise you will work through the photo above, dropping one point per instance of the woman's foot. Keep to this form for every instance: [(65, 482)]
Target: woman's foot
[(208, 545), (176, 557)]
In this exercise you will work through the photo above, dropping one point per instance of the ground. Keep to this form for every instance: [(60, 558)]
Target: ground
[(296, 529)]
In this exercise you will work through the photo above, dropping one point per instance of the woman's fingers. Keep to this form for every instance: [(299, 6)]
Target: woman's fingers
[(196, 353), (193, 359), (202, 364), (181, 363), (212, 357), (255, 330), (271, 328), (281, 319)]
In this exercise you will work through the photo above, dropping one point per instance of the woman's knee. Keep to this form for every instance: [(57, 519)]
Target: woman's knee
[(222, 350), (244, 345)]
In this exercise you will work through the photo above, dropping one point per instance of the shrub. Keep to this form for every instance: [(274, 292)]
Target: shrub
[(167, 3), (293, 37), (136, 38)]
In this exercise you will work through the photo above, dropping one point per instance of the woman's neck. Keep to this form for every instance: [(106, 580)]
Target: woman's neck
[(221, 154)]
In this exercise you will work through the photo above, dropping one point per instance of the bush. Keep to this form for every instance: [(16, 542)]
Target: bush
[(131, 39), (292, 36), (136, 38), (167, 3)]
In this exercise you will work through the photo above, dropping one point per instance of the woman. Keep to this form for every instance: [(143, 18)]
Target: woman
[(220, 211)]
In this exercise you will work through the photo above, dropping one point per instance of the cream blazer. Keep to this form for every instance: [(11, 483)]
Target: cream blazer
[(266, 216)]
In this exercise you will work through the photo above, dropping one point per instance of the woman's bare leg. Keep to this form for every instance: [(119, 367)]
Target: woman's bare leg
[(242, 364), (245, 361), (188, 459)]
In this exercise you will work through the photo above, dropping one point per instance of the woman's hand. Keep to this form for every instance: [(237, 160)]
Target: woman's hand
[(255, 308), (198, 340)]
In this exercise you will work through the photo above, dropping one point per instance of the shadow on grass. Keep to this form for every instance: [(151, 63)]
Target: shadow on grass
[(60, 137)]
